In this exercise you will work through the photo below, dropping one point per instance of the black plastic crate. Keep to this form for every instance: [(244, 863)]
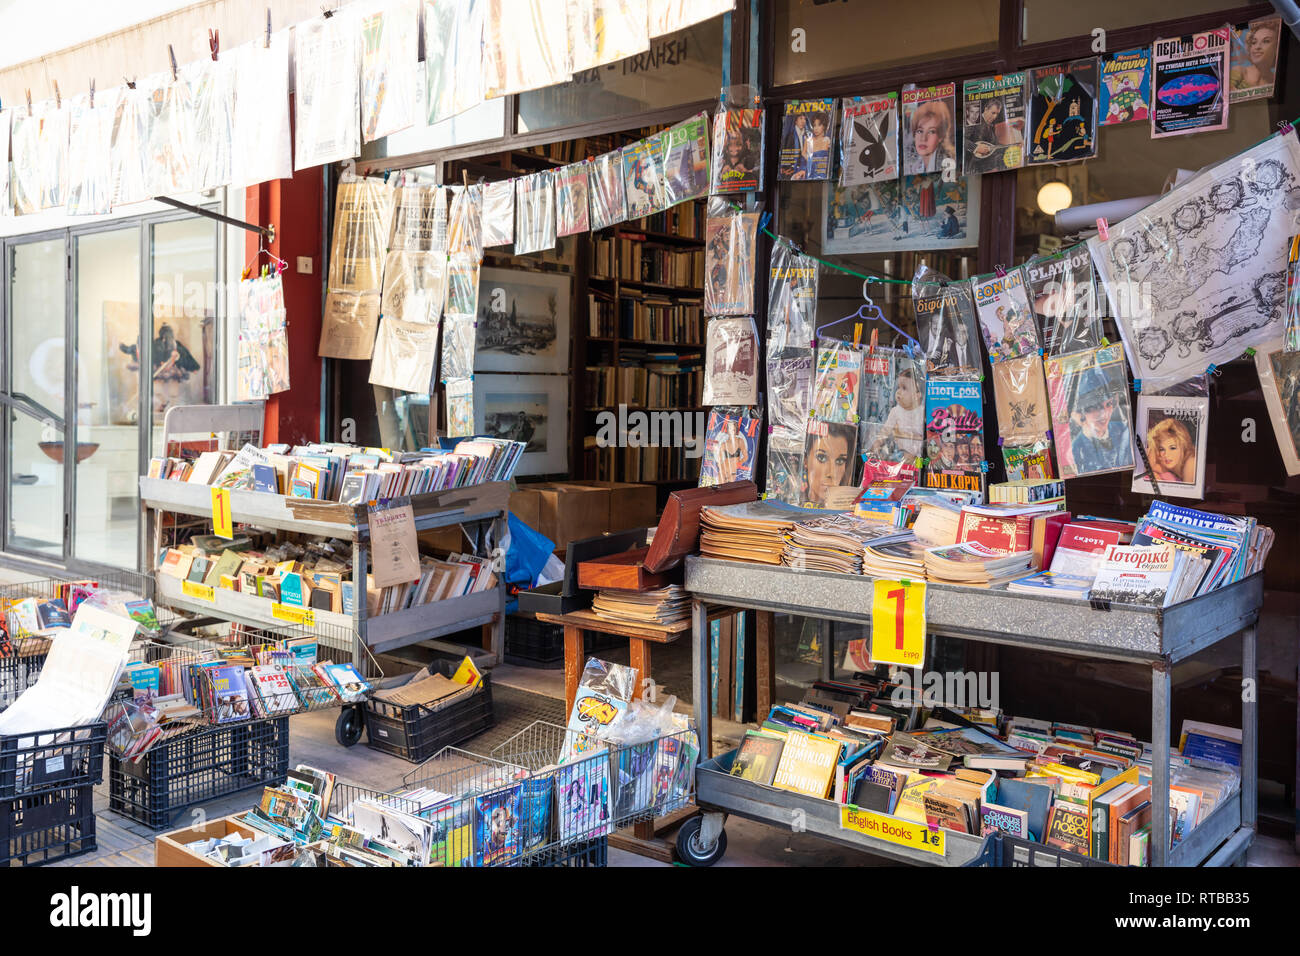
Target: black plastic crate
[(594, 852), (1002, 850), (40, 828), (415, 732), (52, 760), (17, 674), (197, 767), (532, 643)]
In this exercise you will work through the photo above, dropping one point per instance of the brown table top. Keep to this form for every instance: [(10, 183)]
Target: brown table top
[(660, 633)]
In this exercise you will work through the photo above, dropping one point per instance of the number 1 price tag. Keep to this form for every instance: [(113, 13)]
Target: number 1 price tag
[(898, 623), (222, 526)]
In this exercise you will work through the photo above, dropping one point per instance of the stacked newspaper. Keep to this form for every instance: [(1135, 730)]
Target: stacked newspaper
[(750, 531), (836, 542), (659, 607), (896, 561), (972, 563)]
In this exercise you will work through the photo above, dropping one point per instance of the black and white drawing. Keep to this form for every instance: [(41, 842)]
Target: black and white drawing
[(1200, 275), (523, 322), (527, 408)]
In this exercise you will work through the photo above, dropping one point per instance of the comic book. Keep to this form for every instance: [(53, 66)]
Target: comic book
[(954, 434), (792, 297), (868, 139), (498, 826), (643, 176), (1005, 317), (1062, 112), (1063, 295), (729, 259), (993, 124), (608, 195), (806, 137), (1253, 59), (1125, 92), (686, 160), (730, 446), (1088, 393), (737, 164), (460, 407), (929, 129), (571, 199), (1189, 82), (838, 385)]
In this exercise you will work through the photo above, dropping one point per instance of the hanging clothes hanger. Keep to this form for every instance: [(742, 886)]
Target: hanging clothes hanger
[(280, 264), (870, 312)]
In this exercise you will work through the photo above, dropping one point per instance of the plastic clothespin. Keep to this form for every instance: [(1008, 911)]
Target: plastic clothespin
[(1041, 353), (1137, 385), (1103, 229), (214, 42), (387, 173), (130, 84), (326, 12), (1048, 433), (905, 582), (1105, 342), (999, 441), (763, 220), (920, 462), (770, 429), (857, 419), (981, 376), (1250, 353), (984, 467), (857, 334)]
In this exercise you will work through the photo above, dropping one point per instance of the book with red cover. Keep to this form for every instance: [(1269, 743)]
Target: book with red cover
[(1012, 534), (1045, 536), (1125, 528)]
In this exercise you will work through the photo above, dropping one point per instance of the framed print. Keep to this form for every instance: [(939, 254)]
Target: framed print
[(528, 408), (523, 321)]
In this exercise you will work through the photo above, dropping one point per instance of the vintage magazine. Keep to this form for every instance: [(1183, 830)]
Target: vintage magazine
[(457, 346), (1125, 92), (1189, 83), (829, 460), (453, 57), (525, 46), (947, 324), (415, 286), (1173, 431), (460, 407), (571, 202), (1020, 394), (1064, 299), (954, 434), (892, 419), (608, 195), (498, 213), (993, 124), (686, 160), (785, 469), (737, 151), (327, 92), (838, 386), (465, 221), (731, 361), (390, 37), (730, 234), (404, 355), (789, 391), (868, 139), (1088, 392), (419, 219), (792, 297), (1005, 317), (929, 129), (643, 176), (1253, 59), (1291, 338), (730, 446), (1279, 379), (534, 212), (1063, 112), (807, 128)]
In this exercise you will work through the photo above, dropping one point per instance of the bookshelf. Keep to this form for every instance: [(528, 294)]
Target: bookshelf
[(645, 341)]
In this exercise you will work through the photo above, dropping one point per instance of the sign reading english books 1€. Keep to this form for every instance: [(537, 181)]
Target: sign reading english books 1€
[(898, 623), (916, 836)]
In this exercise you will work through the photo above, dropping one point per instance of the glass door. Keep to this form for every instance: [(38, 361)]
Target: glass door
[(33, 399)]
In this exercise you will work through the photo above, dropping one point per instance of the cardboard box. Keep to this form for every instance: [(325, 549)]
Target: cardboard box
[(526, 505), (572, 512), (630, 505), (169, 848)]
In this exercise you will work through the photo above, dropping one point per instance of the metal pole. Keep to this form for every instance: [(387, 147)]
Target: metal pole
[(1249, 727), (268, 232), (1160, 695), (700, 682)]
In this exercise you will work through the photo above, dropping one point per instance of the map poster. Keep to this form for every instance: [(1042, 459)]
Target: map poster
[(1189, 83)]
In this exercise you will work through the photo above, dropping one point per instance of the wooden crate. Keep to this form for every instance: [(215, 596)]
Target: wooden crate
[(169, 848)]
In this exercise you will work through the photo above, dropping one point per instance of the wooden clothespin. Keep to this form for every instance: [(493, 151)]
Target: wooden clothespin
[(29, 102), (171, 53), (875, 340), (92, 92), (130, 84), (268, 28), (326, 12), (58, 97), (214, 42)]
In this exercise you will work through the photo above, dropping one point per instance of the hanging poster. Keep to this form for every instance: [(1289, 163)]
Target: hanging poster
[(869, 139), (525, 46), (643, 176), (1279, 380), (453, 57), (1063, 112), (929, 129), (1064, 299), (912, 214), (1088, 392), (572, 203), (605, 31), (993, 138), (686, 160), (1189, 82), (90, 133), (534, 212), (390, 38), (404, 354), (731, 361), (730, 234), (1200, 274), (25, 184), (730, 446), (260, 141), (806, 129), (737, 151), (946, 324), (1173, 430), (669, 16), (1125, 93), (1253, 59), (1005, 317), (212, 102), (608, 195), (954, 434), (327, 90)]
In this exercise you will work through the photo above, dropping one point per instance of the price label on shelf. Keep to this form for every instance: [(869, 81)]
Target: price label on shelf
[(294, 615), (222, 525), (906, 833), (898, 623), (203, 592)]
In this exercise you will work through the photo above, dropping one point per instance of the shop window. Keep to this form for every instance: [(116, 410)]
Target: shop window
[(1043, 20), (814, 41)]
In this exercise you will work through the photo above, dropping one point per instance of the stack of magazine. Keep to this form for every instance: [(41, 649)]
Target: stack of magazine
[(836, 542), (751, 531)]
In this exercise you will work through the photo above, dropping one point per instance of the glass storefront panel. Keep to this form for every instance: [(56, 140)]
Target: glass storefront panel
[(108, 395), (1043, 20)]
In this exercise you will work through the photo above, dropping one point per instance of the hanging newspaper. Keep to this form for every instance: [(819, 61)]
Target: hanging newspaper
[(868, 139), (453, 57), (128, 155), (498, 213), (362, 221), (90, 135), (212, 101), (1199, 275), (327, 91), (390, 38), (1190, 83), (404, 355), (6, 200), (465, 222), (260, 147), (169, 142)]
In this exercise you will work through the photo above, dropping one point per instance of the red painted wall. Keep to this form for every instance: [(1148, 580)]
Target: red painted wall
[(294, 207)]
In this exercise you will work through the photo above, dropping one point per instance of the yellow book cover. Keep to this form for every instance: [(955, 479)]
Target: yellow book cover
[(1071, 774), (911, 802), (807, 764), (467, 673)]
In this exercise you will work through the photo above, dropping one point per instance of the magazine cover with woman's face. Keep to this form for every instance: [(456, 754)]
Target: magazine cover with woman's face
[(1172, 430)]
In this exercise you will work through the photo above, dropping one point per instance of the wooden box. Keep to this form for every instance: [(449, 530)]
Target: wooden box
[(169, 848)]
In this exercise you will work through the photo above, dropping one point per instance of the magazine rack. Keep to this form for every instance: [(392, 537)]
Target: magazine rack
[(1158, 637)]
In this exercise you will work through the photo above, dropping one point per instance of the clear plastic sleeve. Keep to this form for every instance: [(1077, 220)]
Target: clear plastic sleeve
[(785, 470), (946, 324), (263, 358), (525, 46), (40, 142), (25, 182), (572, 202), (419, 219), (535, 212), (498, 213), (462, 284), (260, 142), (1291, 338), (807, 130), (90, 136), (929, 129), (730, 236), (457, 347), (465, 222), (738, 131), (669, 16), (1279, 380), (608, 197), (837, 387), (460, 407), (1171, 435), (954, 434), (6, 198), (731, 361), (348, 326), (1091, 426), (891, 409), (171, 142), (790, 371), (605, 31), (327, 90), (830, 455), (1020, 394), (792, 298), (730, 446), (868, 139), (1029, 460), (127, 158), (212, 101), (1062, 293), (415, 286), (1006, 319), (404, 355), (453, 57), (686, 160), (643, 176), (363, 211), (390, 40)]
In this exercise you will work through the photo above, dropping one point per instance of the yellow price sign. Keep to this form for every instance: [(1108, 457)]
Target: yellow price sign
[(898, 623), (294, 615), (916, 836), (222, 522), (203, 592)]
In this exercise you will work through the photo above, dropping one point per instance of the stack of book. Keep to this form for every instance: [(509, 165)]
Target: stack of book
[(751, 531), (836, 542), (661, 606), (1027, 491), (1232, 546), (1079, 552), (975, 564), (1011, 529)]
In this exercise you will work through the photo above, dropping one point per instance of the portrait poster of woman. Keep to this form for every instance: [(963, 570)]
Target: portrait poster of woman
[(929, 129), (1172, 430), (830, 449)]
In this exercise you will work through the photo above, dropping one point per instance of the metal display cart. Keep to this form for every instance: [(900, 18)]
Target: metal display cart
[(1158, 637)]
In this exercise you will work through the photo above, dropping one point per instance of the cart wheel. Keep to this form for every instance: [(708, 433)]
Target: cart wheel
[(347, 729), (689, 849)]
